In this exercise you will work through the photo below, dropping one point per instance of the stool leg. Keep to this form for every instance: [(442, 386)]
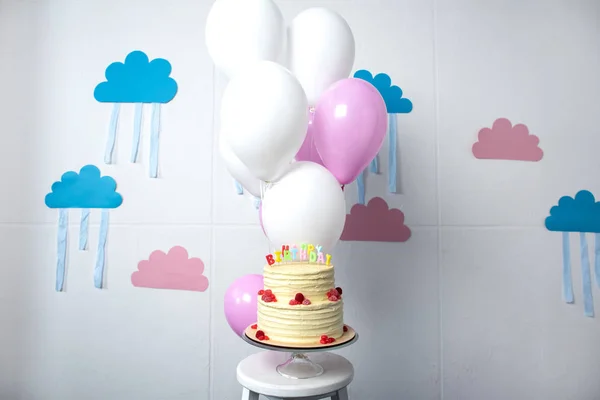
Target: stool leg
[(341, 394), (249, 395)]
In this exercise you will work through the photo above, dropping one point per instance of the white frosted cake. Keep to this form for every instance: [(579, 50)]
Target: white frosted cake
[(300, 303)]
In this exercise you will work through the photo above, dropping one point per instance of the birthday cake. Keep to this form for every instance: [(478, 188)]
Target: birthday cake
[(300, 303)]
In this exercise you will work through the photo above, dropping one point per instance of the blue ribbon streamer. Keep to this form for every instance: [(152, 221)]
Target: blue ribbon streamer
[(154, 140), (238, 188), (61, 249), (393, 154), (567, 288), (101, 255), (597, 259), (360, 185), (588, 301), (83, 228), (374, 166), (112, 133), (137, 131)]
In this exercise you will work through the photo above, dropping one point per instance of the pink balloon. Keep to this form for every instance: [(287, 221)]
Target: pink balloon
[(241, 302), (349, 127), (308, 151)]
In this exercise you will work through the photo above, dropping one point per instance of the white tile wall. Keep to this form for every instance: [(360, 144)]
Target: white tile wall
[(468, 309)]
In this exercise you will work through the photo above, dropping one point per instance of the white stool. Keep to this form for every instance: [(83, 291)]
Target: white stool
[(257, 375)]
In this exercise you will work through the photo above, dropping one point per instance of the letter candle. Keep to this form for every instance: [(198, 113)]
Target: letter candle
[(304, 252)]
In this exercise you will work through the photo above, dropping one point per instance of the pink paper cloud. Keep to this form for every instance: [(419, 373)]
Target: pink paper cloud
[(375, 222), (174, 270), (506, 142)]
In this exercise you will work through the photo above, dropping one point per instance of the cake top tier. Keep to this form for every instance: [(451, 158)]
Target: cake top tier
[(302, 253)]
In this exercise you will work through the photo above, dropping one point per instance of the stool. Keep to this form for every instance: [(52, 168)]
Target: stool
[(257, 375)]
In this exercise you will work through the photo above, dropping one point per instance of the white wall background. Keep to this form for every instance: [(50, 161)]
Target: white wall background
[(469, 308)]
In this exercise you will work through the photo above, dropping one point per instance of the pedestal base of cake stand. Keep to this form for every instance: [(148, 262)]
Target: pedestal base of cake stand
[(299, 365)]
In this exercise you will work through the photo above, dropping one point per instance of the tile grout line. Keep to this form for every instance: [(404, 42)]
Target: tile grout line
[(438, 201), (212, 245), (248, 225)]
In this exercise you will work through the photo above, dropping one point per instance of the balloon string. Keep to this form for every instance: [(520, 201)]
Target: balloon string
[(262, 196)]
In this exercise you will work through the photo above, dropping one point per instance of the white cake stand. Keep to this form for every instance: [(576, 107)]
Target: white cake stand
[(299, 366)]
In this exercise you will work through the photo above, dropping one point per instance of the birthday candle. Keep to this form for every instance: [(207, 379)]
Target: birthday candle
[(321, 258)]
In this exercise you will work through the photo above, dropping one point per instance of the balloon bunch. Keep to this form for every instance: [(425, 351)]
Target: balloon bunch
[(294, 128)]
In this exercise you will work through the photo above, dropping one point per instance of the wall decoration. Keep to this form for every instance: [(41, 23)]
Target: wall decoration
[(579, 214), (375, 222), (84, 190), (507, 142), (138, 80), (173, 270), (239, 189), (396, 104)]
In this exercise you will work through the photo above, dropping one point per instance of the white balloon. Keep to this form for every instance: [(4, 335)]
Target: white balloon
[(238, 170), (306, 205), (320, 50), (241, 32), (264, 118)]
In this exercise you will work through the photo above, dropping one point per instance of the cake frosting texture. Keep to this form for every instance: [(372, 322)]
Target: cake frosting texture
[(302, 308)]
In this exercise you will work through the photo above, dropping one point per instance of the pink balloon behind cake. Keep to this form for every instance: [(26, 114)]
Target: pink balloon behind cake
[(241, 302)]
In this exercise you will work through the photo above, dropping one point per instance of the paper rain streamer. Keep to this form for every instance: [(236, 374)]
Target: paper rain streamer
[(137, 81), (84, 190), (239, 189), (579, 214), (396, 104)]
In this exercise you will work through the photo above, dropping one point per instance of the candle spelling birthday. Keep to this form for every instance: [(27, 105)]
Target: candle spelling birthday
[(304, 252)]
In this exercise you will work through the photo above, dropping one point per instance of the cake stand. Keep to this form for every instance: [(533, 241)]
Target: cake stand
[(299, 366)]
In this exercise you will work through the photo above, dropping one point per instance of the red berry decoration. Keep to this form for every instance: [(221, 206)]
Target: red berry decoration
[(324, 337), (293, 302), (333, 298), (268, 291), (261, 292), (339, 290), (330, 340), (254, 326), (345, 328), (323, 341), (299, 297), (306, 302), (259, 334), (265, 338)]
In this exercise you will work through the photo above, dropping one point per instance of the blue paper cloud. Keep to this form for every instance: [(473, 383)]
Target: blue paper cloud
[(392, 95), (579, 214), (138, 80), (86, 189)]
